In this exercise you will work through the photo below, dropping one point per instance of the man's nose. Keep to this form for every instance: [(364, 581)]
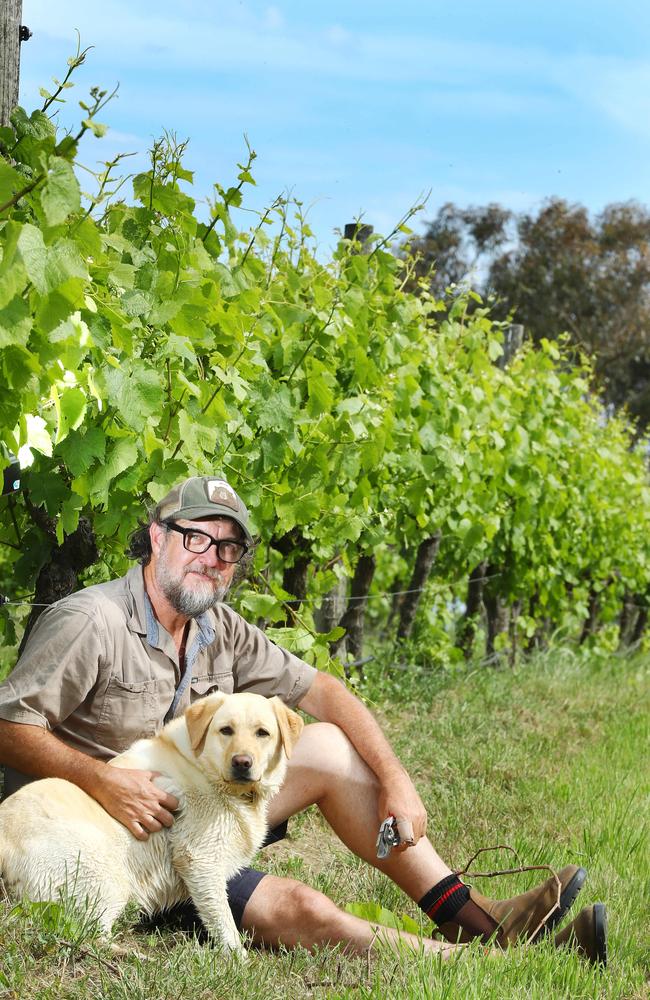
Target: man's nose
[(211, 558)]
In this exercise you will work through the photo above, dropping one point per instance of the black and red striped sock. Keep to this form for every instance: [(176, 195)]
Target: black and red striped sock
[(445, 899), (449, 902)]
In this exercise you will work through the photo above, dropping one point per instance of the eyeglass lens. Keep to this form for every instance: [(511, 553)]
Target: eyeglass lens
[(199, 542)]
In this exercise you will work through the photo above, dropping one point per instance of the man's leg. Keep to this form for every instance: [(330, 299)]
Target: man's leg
[(325, 769), (284, 912)]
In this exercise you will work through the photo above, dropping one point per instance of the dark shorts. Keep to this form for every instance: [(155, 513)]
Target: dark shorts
[(242, 886), (240, 889)]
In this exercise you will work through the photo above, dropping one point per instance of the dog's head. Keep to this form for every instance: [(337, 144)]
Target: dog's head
[(243, 739)]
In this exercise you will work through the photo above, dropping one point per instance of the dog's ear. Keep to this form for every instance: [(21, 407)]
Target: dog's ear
[(198, 718), (290, 723)]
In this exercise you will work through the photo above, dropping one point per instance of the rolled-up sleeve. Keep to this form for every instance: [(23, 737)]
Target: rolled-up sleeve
[(57, 670), (264, 668)]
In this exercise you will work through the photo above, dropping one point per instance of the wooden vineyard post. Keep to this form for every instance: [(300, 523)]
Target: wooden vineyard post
[(12, 33)]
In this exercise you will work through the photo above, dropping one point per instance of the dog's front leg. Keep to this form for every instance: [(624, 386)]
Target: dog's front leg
[(214, 911), (206, 884)]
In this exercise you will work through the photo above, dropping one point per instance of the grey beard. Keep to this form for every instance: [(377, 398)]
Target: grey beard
[(189, 603)]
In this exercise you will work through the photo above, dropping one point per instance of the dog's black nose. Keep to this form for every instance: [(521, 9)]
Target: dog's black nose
[(241, 764)]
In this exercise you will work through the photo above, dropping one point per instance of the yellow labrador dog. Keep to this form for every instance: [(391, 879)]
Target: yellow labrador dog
[(223, 759)]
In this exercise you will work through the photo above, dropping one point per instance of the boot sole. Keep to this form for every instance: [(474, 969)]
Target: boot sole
[(567, 899), (600, 933)]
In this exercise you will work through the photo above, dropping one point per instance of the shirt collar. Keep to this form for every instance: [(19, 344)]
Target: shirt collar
[(206, 628), (135, 585)]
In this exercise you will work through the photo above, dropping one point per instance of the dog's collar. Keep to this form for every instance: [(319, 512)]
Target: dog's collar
[(247, 795)]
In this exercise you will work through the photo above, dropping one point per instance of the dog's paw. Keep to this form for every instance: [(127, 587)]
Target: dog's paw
[(167, 784), (234, 948), (121, 951)]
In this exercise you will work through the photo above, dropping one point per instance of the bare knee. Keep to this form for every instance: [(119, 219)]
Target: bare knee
[(324, 746), (325, 734), (311, 910), (283, 911), (323, 763)]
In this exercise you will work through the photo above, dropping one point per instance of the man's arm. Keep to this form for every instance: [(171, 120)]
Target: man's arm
[(130, 796), (330, 701)]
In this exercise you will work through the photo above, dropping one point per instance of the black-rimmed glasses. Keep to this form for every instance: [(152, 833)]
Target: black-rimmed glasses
[(228, 550)]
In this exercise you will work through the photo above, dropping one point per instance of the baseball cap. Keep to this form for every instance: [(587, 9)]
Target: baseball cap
[(204, 496)]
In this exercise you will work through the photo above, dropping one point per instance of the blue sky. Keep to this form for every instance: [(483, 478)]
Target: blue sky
[(359, 107)]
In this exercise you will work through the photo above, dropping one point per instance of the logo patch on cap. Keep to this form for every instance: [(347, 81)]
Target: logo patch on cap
[(219, 491)]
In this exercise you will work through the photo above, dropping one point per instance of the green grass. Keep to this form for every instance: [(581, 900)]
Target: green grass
[(551, 759)]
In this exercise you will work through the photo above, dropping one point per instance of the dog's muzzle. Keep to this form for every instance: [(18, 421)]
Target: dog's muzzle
[(240, 767)]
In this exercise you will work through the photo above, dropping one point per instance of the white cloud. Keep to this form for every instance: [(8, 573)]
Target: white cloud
[(217, 37), (619, 88), (338, 35), (273, 18), (487, 101), (223, 35), (363, 117)]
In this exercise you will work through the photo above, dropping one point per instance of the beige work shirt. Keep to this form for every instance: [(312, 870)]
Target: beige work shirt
[(100, 671)]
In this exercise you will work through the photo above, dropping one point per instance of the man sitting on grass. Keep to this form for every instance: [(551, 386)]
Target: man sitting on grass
[(111, 663)]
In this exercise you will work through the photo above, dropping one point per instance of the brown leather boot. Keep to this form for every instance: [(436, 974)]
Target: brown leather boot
[(587, 934), (518, 919)]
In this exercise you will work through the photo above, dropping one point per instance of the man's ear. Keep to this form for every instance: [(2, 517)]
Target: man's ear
[(198, 718), (157, 536), (290, 723)]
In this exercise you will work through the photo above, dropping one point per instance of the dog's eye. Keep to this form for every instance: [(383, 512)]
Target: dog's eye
[(262, 732), (226, 730)]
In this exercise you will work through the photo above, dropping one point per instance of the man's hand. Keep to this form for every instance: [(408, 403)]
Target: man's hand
[(132, 798), (401, 800), (329, 701)]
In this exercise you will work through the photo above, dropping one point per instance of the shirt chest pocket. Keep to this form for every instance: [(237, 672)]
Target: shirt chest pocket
[(130, 711), (203, 684)]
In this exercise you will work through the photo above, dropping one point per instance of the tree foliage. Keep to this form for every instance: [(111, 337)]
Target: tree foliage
[(140, 344), (557, 271)]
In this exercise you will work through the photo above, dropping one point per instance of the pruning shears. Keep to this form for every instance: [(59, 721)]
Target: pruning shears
[(388, 837)]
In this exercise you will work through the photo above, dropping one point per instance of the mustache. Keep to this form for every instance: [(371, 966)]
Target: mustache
[(210, 571)]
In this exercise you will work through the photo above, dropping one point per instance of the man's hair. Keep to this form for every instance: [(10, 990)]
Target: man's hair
[(139, 546)]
